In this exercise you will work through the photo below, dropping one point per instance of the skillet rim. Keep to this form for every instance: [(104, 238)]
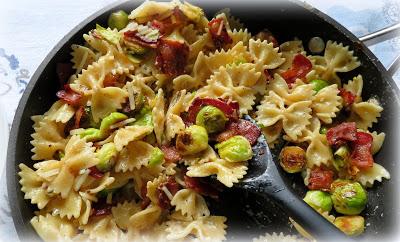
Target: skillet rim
[(12, 163)]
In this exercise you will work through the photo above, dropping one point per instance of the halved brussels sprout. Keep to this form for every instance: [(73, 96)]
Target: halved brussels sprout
[(192, 140), (319, 200), (319, 84), (211, 118), (348, 197), (235, 149), (156, 157), (350, 225), (105, 156), (292, 159), (118, 20)]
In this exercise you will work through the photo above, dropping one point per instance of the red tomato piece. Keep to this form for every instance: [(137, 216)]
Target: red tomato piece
[(361, 155), (301, 65), (321, 178), (219, 33), (341, 133), (69, 96)]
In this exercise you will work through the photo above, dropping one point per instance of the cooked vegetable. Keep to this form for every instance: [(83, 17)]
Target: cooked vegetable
[(350, 225), (87, 120), (323, 130), (105, 156), (319, 200), (108, 34), (316, 45), (211, 118), (292, 159), (319, 84), (144, 118), (156, 157), (92, 134), (235, 149), (118, 20), (192, 140), (341, 157), (348, 197)]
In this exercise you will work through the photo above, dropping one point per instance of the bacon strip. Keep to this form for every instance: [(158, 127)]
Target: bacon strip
[(95, 173), (173, 187), (321, 178), (219, 33), (231, 109), (135, 37), (341, 133), (172, 56), (166, 26), (78, 116), (69, 96), (201, 187), (361, 155), (171, 154), (348, 97), (301, 65), (242, 127)]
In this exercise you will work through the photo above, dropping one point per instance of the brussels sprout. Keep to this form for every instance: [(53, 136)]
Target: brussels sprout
[(105, 156), (92, 134), (136, 50), (341, 156), (118, 20), (211, 118), (323, 130), (319, 84), (292, 159), (156, 157), (192, 140), (319, 200), (235, 149), (109, 35), (144, 118), (348, 197), (350, 225)]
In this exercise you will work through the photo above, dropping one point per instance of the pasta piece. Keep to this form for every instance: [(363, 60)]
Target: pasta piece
[(295, 118), (31, 185), (47, 139), (233, 83), (375, 173), (106, 100), (82, 57), (173, 122), (93, 185), (102, 228), (355, 86), (227, 172), (204, 228), (264, 55), (365, 114), (135, 155), (289, 49), (208, 155), (378, 140), (272, 133), (60, 112), (326, 103), (145, 218), (190, 204), (122, 212), (298, 92), (141, 87), (49, 169), (158, 113), (69, 207), (274, 237), (149, 9), (97, 44), (53, 228), (63, 183), (129, 134), (86, 208), (152, 187), (240, 35)]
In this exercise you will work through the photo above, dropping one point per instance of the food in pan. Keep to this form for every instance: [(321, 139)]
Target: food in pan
[(154, 107)]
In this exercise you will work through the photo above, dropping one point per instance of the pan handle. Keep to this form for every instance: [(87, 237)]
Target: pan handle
[(383, 35)]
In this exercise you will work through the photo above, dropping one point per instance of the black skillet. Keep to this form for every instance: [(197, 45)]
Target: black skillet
[(248, 214)]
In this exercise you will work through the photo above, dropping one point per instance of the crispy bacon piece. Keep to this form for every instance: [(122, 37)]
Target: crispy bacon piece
[(321, 178), (110, 80), (69, 96), (242, 127), (231, 109), (341, 133), (173, 187), (103, 210), (201, 187), (361, 155), (172, 56), (143, 193), (95, 173), (64, 71), (219, 33), (135, 37), (301, 65), (78, 116), (171, 154), (166, 26), (348, 97)]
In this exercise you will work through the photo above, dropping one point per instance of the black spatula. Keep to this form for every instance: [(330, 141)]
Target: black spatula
[(264, 179)]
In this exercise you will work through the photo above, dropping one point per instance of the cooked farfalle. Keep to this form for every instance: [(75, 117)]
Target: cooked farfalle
[(102, 229), (233, 83), (60, 112), (106, 100), (70, 207), (158, 113), (123, 211), (265, 56), (298, 92), (375, 173), (274, 237), (32, 186), (378, 140), (133, 156), (241, 35), (227, 172), (82, 57), (294, 118), (288, 50), (129, 134), (152, 187), (326, 103), (355, 86), (53, 228), (47, 139), (145, 218), (207, 155), (204, 228), (190, 204), (365, 114)]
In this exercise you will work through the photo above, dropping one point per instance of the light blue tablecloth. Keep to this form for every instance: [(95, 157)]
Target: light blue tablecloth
[(30, 28)]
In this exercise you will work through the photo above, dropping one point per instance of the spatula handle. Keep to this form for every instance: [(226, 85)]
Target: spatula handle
[(320, 228)]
